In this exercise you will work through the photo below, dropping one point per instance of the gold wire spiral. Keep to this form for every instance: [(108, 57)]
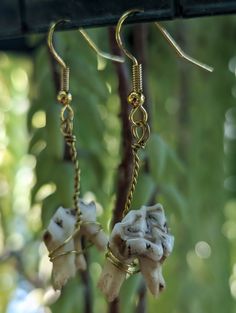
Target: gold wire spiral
[(137, 77), (65, 79), (67, 116), (138, 116)]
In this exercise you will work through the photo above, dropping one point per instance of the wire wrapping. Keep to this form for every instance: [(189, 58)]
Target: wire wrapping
[(67, 116), (65, 72), (137, 77), (135, 174), (139, 128)]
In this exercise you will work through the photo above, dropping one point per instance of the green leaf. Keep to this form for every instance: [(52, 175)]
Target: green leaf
[(128, 293), (54, 137), (175, 197), (144, 190), (49, 207), (157, 156)]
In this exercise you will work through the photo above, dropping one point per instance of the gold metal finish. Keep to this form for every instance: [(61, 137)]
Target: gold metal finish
[(118, 34), (67, 115), (129, 269), (50, 42), (54, 254), (90, 42), (180, 52), (102, 54), (138, 115), (173, 44)]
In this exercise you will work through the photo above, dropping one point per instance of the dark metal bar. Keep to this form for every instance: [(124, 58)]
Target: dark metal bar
[(22, 17)]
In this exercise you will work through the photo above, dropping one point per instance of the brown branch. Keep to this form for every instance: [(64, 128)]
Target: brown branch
[(124, 171), (125, 168), (140, 45), (57, 84), (86, 279)]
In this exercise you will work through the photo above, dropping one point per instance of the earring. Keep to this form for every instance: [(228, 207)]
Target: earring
[(141, 241), (63, 235), (142, 237)]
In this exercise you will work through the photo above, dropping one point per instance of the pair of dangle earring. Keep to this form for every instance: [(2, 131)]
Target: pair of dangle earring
[(141, 241), (67, 226)]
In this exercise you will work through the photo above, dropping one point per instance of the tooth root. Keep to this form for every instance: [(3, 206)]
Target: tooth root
[(142, 234), (152, 273), (59, 229), (111, 280)]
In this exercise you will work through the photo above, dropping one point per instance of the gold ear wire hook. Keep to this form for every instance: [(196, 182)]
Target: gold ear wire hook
[(118, 34), (50, 43), (65, 69), (165, 34), (90, 42), (102, 54), (179, 51)]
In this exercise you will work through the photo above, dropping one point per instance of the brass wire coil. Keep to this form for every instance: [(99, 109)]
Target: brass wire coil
[(67, 116), (137, 77), (129, 269), (54, 255), (65, 73)]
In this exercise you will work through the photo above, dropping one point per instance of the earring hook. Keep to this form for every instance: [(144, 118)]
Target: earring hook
[(118, 34), (105, 55), (180, 53), (166, 35), (50, 42), (90, 42)]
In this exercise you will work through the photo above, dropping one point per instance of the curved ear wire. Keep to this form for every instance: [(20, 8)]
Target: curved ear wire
[(50, 43), (90, 42), (102, 54), (179, 51), (165, 34), (118, 34)]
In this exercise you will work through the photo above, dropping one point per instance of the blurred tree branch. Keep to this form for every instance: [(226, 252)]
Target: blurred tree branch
[(88, 296), (124, 171)]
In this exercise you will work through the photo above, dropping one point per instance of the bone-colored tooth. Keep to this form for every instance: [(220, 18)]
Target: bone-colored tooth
[(60, 228), (93, 233), (152, 273), (142, 234), (89, 228), (111, 280)]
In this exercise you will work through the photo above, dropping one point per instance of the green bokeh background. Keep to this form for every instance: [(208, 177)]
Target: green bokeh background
[(191, 155)]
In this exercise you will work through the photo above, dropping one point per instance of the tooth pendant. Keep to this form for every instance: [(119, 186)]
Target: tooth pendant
[(63, 241), (142, 236)]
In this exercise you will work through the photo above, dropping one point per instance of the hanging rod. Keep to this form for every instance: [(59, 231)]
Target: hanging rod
[(23, 17)]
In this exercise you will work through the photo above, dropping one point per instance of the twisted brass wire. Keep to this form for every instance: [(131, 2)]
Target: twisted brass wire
[(129, 269), (137, 77), (54, 254), (134, 179), (67, 116), (65, 72), (139, 128)]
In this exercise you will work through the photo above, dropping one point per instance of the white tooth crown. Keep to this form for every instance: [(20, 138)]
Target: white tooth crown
[(142, 235)]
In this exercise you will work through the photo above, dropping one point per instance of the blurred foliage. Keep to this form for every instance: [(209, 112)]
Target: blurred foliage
[(191, 156)]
